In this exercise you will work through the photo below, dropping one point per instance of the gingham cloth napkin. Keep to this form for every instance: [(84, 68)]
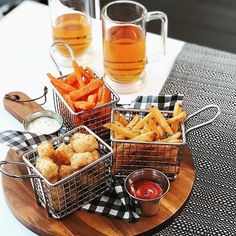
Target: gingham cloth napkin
[(115, 202)]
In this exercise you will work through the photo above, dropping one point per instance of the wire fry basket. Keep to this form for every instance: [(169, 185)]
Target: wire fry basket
[(69, 194), (94, 118), (166, 157)]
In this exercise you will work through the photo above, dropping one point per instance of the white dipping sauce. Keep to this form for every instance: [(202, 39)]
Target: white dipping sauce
[(43, 125)]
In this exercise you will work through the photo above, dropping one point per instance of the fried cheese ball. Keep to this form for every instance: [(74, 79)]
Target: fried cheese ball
[(45, 149), (79, 160), (48, 168), (63, 154), (83, 142), (65, 170)]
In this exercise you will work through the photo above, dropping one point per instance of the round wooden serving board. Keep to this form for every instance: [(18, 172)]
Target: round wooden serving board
[(20, 199)]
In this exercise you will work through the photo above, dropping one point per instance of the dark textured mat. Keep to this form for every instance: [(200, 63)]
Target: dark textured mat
[(208, 76)]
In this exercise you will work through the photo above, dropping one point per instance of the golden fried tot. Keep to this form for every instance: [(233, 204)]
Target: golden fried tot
[(63, 154), (95, 155), (48, 168), (45, 149), (65, 170), (83, 142), (79, 160)]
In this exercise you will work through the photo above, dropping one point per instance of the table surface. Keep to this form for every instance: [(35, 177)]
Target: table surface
[(24, 61)]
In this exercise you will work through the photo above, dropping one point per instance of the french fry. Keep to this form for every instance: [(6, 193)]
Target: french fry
[(160, 119), (123, 120), (160, 132), (117, 116), (134, 121), (175, 140), (177, 110), (120, 130), (142, 122), (174, 136), (180, 117), (146, 128), (118, 136), (145, 137), (153, 128)]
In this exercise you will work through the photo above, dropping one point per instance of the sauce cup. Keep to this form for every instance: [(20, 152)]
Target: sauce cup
[(149, 206), (43, 122)]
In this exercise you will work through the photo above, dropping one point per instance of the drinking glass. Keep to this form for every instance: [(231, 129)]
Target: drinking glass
[(71, 24), (124, 43)]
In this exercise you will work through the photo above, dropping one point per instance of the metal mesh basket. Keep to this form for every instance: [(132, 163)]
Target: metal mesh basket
[(94, 119), (69, 194), (131, 155)]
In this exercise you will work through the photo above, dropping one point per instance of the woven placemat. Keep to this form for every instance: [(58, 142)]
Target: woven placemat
[(208, 76)]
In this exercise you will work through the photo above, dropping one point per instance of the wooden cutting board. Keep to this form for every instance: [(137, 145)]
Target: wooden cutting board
[(20, 199), (20, 109)]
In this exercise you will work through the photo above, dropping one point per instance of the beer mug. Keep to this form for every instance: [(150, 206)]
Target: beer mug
[(124, 43), (71, 24)]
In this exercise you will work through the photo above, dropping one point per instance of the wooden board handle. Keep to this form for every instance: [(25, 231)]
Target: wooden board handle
[(20, 109)]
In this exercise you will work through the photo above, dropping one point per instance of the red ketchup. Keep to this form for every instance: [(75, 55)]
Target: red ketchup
[(145, 189)]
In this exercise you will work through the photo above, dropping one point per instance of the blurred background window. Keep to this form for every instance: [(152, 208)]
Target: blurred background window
[(209, 23)]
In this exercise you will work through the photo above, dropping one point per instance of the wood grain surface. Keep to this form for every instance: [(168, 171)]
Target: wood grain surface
[(20, 110), (21, 201)]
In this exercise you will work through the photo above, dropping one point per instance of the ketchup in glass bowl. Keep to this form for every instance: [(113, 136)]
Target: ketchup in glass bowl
[(147, 186)]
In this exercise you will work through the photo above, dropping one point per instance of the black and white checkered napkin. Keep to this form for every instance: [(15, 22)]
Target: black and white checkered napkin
[(115, 202), (22, 140)]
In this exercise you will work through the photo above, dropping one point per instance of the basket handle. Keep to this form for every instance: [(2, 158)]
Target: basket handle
[(204, 123), (52, 51), (12, 175)]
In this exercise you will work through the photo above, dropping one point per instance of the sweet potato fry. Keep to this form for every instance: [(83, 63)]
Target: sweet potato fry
[(65, 88), (92, 98), (77, 73), (69, 101), (90, 72), (99, 94), (71, 80), (83, 105), (106, 95), (161, 119), (86, 90), (85, 75)]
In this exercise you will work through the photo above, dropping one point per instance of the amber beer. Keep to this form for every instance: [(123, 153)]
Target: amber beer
[(124, 51), (75, 30)]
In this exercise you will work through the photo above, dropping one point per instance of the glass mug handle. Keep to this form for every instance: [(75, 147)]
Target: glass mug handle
[(158, 15)]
